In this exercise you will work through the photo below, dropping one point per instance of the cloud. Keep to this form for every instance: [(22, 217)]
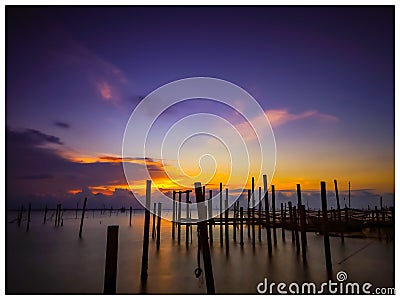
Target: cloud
[(31, 137), (106, 91), (278, 117), (62, 125), (33, 177)]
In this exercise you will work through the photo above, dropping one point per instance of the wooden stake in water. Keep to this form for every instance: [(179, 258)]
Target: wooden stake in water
[(153, 232), (110, 272), (146, 229), (241, 227), (29, 217), (173, 214), (302, 212), (83, 216), (259, 213), (56, 219), (45, 215), (187, 219), (226, 223), (283, 222), (210, 219), (248, 212), (296, 230), (221, 236), (234, 222), (253, 204), (179, 216), (274, 215), (268, 226), (130, 216), (204, 240), (328, 260), (158, 226), (291, 220)]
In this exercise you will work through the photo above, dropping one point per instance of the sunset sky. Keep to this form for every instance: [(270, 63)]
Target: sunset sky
[(324, 76)]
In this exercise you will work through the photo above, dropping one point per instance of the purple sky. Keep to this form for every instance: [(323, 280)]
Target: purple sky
[(74, 75)]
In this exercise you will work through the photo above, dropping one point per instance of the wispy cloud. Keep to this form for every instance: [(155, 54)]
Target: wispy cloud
[(278, 117)]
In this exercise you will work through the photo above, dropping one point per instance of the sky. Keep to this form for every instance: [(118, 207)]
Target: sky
[(324, 77)]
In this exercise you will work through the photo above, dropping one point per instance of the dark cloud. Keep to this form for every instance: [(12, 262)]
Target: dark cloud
[(62, 125), (39, 176), (31, 137)]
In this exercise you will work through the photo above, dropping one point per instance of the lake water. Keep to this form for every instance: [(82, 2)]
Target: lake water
[(50, 259)]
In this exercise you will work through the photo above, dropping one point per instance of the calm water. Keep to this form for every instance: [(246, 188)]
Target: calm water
[(54, 260)]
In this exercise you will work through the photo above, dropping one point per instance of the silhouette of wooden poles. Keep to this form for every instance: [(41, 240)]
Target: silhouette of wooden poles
[(234, 222), (241, 227), (296, 229), (29, 217), (291, 221), (45, 215), (202, 227), (83, 216), (153, 231), (56, 218), (187, 219), (259, 214), (302, 217), (226, 223), (338, 209), (158, 227), (146, 229), (130, 216), (110, 272), (179, 216), (268, 226), (274, 215), (210, 219), (328, 260), (253, 204), (173, 214), (221, 235), (20, 216), (283, 221), (248, 212), (302, 212)]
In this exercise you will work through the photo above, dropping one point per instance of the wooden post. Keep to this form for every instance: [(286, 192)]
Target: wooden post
[(274, 215), (56, 219), (159, 226), (291, 220), (187, 219), (328, 260), (130, 215), (241, 227), (110, 272), (296, 230), (45, 215), (349, 195), (283, 222), (234, 222), (173, 214), (210, 219), (179, 216), (59, 216), (253, 204), (248, 212), (83, 216), (221, 236), (145, 254), (302, 211), (268, 227), (204, 241), (29, 217), (302, 218), (20, 216), (153, 232), (226, 223), (259, 213)]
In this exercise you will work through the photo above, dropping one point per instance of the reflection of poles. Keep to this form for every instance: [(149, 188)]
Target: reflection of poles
[(153, 232), (158, 226), (241, 227), (202, 227)]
